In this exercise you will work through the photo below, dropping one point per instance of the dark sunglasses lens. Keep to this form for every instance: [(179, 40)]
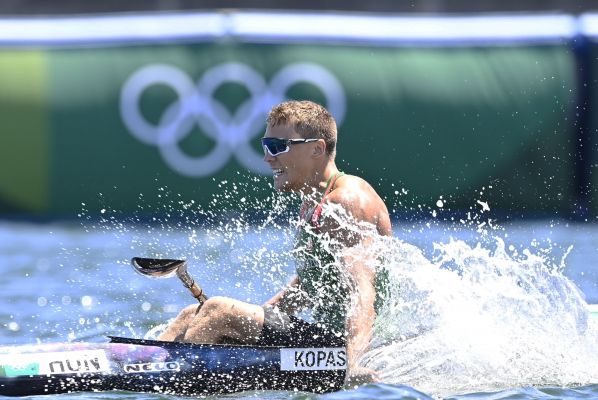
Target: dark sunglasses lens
[(274, 145)]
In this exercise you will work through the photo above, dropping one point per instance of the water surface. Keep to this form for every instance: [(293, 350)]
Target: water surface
[(465, 290)]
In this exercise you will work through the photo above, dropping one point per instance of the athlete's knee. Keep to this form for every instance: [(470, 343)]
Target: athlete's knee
[(215, 306), (190, 311)]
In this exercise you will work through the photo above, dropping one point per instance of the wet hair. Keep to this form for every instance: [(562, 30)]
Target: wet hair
[(309, 119)]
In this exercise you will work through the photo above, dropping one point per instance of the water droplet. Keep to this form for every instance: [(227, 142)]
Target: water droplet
[(86, 301)]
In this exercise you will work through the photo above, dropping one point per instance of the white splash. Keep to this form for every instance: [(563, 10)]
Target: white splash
[(479, 319), (485, 206)]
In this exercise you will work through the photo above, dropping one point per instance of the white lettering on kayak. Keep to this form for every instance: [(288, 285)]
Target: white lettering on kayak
[(56, 363), (73, 362), (152, 367), (313, 359)]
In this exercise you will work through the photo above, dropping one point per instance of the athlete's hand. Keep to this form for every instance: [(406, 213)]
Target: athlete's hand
[(358, 376)]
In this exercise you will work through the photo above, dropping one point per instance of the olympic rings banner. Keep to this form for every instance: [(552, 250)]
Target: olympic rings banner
[(106, 124), (196, 104)]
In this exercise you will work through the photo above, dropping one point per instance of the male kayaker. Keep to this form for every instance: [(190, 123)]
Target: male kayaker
[(334, 278)]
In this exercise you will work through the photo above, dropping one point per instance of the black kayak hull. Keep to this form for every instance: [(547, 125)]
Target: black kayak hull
[(166, 367)]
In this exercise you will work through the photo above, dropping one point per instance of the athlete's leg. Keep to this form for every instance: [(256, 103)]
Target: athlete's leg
[(222, 318)]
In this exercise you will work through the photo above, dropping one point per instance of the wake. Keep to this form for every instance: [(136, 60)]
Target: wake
[(473, 318)]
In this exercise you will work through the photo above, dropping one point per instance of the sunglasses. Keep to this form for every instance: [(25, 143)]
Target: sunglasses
[(276, 146)]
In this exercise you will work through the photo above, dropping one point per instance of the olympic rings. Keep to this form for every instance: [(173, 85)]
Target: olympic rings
[(196, 105)]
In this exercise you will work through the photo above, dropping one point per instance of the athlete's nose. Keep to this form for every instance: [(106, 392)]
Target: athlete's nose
[(267, 156)]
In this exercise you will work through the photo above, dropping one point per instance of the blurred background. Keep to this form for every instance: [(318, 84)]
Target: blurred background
[(442, 105), (150, 113), (428, 6)]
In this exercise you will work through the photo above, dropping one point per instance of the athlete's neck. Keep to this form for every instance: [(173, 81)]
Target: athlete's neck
[(318, 185)]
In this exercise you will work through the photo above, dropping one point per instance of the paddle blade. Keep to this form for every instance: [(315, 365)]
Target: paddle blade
[(156, 267)]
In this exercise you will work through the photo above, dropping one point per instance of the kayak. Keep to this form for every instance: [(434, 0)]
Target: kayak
[(141, 365), (153, 366)]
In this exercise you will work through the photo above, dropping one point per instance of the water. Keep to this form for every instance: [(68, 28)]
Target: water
[(484, 313)]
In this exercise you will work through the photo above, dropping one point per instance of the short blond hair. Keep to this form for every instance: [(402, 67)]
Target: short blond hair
[(309, 119)]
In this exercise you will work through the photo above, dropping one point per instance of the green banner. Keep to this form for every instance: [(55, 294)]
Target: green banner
[(113, 124), (25, 138)]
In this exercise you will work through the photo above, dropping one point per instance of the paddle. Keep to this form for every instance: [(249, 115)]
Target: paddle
[(165, 268)]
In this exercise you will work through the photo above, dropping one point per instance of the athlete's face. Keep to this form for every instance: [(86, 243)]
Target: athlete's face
[(292, 170)]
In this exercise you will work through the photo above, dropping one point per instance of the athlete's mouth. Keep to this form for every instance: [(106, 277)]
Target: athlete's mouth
[(277, 172)]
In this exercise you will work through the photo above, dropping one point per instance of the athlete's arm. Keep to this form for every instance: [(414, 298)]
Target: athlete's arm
[(360, 319), (290, 298), (362, 204)]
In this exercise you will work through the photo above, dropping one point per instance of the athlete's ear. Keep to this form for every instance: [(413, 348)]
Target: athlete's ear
[(319, 148)]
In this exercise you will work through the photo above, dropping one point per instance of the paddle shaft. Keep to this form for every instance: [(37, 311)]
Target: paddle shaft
[(190, 284)]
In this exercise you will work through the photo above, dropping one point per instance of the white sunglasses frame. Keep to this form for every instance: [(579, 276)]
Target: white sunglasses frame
[(289, 142)]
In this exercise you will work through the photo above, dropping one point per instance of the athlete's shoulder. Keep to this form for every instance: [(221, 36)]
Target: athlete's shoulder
[(358, 197), (352, 188), (355, 193)]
